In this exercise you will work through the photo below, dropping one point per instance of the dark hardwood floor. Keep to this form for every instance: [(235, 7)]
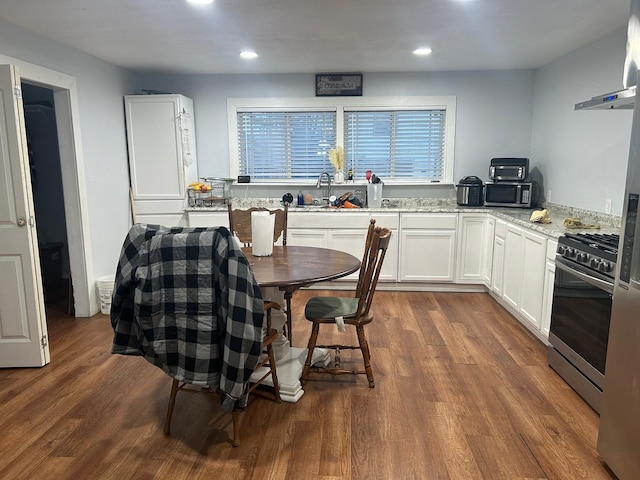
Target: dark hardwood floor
[(462, 392)]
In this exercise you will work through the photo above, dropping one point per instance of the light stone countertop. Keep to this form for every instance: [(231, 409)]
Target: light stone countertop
[(519, 216)]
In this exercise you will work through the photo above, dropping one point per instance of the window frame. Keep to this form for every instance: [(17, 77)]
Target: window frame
[(339, 105)]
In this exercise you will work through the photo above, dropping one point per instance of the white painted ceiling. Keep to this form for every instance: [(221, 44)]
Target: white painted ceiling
[(303, 36)]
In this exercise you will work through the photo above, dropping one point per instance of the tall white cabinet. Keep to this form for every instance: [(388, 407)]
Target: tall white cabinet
[(162, 155)]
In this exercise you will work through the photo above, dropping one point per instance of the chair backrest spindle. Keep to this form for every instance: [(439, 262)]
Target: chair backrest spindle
[(376, 252)]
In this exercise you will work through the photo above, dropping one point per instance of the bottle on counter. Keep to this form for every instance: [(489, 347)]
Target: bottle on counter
[(300, 198)]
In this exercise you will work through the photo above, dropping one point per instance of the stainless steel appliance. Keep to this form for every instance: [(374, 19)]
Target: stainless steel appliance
[(582, 299), (470, 192), (511, 194), (509, 169), (619, 435)]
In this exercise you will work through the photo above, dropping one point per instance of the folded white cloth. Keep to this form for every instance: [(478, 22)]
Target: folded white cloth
[(540, 216)]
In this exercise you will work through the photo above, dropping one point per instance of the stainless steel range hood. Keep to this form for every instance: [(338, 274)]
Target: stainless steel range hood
[(622, 99), (626, 98)]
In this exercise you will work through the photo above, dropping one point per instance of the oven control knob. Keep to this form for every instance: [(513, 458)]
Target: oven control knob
[(605, 267), (595, 263), (582, 257), (570, 252)]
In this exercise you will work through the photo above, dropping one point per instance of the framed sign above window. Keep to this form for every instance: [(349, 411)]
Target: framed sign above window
[(338, 85)]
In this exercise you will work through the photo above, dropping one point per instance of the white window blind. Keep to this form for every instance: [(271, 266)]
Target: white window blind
[(285, 145), (403, 140), (396, 144)]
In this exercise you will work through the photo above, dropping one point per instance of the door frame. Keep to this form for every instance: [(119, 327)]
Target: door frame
[(65, 96)]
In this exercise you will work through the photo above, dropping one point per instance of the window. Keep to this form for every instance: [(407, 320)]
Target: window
[(402, 140), (396, 143), (291, 145)]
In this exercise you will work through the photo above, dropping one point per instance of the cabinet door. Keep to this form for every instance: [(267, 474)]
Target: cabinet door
[(512, 268), (549, 282), (549, 278), (497, 272), (349, 241), (475, 249), (352, 241), (307, 237), (533, 273), (427, 255), (487, 264), (161, 145)]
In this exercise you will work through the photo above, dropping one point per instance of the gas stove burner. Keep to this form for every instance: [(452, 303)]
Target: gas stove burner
[(604, 240), (593, 251)]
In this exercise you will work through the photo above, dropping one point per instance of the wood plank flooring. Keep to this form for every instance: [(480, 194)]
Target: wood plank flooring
[(462, 392)]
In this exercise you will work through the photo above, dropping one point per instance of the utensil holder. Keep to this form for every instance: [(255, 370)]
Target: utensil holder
[(374, 195)]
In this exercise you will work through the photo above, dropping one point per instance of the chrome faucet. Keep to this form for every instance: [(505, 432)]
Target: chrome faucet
[(319, 184)]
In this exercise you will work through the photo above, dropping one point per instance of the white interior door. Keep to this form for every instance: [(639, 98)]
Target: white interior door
[(23, 331)]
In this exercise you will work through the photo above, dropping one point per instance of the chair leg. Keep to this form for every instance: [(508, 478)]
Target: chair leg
[(235, 415), (172, 403), (313, 339), (366, 355), (274, 375)]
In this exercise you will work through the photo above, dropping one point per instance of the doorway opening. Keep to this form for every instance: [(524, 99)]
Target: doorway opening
[(48, 196)]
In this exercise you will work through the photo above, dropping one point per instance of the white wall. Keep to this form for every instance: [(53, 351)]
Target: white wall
[(101, 87), (493, 113), (503, 113), (582, 154)]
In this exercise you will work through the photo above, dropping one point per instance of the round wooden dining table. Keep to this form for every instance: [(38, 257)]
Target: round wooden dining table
[(289, 268)]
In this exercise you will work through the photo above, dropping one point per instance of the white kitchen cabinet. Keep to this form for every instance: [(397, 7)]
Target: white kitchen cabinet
[(512, 274), (162, 152), (549, 281), (533, 276), (475, 238), (427, 247), (520, 274), (345, 231), (208, 219), (307, 237), (497, 269)]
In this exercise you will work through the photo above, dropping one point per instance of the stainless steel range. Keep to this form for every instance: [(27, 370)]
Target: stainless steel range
[(582, 299)]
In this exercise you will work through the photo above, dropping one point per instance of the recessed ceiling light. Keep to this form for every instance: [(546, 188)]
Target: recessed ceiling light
[(422, 51), (248, 54), (200, 2)]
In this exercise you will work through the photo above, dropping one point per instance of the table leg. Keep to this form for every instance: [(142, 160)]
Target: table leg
[(289, 360)]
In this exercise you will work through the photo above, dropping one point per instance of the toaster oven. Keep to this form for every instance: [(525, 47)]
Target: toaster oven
[(509, 169)]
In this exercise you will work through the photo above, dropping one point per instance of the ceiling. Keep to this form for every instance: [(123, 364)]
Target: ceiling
[(305, 36)]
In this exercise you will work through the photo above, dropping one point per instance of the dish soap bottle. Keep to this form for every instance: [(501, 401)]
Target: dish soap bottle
[(300, 198)]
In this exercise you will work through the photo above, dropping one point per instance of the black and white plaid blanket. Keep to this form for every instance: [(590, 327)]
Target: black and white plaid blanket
[(186, 300)]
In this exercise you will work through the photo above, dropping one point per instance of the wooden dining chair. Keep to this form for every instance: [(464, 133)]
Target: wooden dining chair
[(354, 311), (265, 368), (240, 222), (240, 226)]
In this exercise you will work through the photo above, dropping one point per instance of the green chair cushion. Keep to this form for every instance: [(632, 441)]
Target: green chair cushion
[(331, 307)]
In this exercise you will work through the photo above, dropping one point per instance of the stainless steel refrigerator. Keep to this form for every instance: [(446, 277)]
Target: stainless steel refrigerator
[(619, 434)]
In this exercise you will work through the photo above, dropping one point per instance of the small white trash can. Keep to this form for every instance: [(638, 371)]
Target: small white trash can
[(105, 292)]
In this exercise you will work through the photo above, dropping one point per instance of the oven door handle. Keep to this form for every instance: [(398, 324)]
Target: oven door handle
[(594, 281)]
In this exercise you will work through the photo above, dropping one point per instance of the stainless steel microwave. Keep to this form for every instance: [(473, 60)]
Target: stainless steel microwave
[(510, 194)]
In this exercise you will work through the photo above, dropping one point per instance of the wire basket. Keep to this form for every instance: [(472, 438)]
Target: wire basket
[(208, 192)]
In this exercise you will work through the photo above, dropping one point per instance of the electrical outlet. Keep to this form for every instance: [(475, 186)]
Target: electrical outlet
[(547, 197), (607, 205)]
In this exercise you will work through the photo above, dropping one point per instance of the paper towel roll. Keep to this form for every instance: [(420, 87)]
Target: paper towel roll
[(262, 226)]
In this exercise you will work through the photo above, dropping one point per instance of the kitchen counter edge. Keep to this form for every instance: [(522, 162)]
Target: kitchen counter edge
[(609, 224)]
